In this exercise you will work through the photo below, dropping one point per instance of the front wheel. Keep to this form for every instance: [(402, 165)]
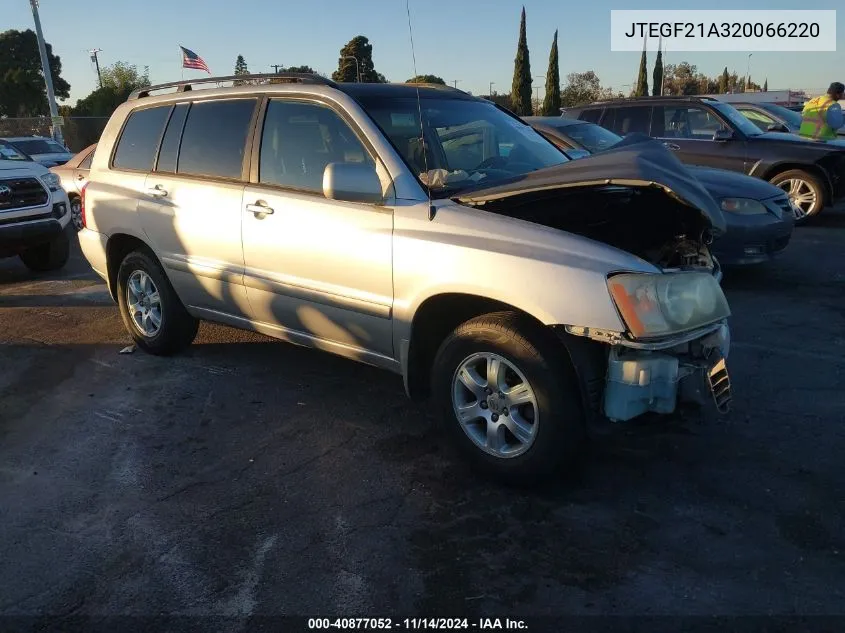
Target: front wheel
[(804, 190), (150, 308), (509, 397), (49, 256)]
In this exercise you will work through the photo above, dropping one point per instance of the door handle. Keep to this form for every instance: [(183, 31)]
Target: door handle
[(157, 191), (672, 146), (80, 177), (259, 208)]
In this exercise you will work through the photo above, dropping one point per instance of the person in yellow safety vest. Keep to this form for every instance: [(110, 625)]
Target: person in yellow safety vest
[(822, 116)]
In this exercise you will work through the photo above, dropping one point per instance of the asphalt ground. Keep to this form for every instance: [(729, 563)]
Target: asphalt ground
[(249, 477)]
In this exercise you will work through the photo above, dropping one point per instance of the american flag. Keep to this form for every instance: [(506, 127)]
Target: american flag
[(191, 60)]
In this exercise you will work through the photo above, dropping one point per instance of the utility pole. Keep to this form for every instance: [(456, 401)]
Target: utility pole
[(97, 64), (748, 72), (276, 67), (48, 76), (455, 81), (490, 94), (357, 66)]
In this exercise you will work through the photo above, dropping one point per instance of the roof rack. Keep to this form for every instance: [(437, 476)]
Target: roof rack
[(187, 85), (656, 98)]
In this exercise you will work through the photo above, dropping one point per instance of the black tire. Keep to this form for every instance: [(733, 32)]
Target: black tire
[(812, 182), (177, 328), (51, 255), (561, 424)]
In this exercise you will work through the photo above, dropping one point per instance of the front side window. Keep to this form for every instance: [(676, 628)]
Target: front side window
[(137, 145), (214, 138), (759, 119), (86, 162), (467, 142), (298, 142), (690, 122), (736, 119)]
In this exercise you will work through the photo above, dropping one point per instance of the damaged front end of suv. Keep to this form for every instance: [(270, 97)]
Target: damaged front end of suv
[(673, 338)]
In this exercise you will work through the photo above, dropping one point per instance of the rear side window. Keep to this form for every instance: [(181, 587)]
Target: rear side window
[(137, 145), (214, 138), (86, 162), (593, 115), (630, 120), (170, 143)]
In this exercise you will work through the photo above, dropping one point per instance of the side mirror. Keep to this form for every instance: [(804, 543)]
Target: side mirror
[(777, 127), (352, 182), (723, 135)]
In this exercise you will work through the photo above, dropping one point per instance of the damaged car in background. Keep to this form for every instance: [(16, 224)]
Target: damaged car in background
[(427, 232)]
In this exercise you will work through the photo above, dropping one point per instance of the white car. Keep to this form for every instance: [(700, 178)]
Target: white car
[(41, 149), (34, 215)]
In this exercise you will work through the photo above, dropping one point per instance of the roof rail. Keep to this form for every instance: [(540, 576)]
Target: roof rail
[(186, 85)]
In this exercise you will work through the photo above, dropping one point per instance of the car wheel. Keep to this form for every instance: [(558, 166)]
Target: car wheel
[(51, 255), (151, 310), (509, 398), (76, 212), (804, 190)]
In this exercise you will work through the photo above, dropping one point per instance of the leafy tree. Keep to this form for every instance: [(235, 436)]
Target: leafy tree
[(360, 48), (551, 102), (240, 66), (426, 79), (584, 88), (119, 80), (766, 85), (642, 78), (23, 92), (301, 69), (521, 88), (724, 81), (657, 76)]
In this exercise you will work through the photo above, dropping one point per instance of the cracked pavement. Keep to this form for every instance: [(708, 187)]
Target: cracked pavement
[(250, 477)]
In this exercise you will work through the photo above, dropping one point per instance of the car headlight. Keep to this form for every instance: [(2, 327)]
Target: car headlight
[(657, 305), (52, 181), (743, 206)]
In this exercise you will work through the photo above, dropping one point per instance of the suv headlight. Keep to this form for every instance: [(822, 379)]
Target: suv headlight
[(654, 305), (52, 181), (743, 206)]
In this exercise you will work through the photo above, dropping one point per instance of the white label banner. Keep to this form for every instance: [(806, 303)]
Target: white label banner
[(722, 30)]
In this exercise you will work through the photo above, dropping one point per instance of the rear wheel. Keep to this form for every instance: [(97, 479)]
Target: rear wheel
[(151, 310), (76, 212), (804, 190), (51, 255), (509, 397)]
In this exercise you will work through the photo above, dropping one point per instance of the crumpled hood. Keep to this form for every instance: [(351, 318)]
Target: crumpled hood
[(721, 183), (636, 161)]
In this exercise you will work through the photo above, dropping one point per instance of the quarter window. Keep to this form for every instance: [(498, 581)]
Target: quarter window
[(214, 138), (630, 120), (299, 140), (137, 145)]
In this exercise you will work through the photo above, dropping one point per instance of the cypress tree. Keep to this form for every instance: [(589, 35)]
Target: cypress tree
[(724, 81), (642, 79), (657, 86), (551, 102), (766, 85), (521, 88)]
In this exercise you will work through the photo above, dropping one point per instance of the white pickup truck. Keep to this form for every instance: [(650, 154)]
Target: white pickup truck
[(34, 214)]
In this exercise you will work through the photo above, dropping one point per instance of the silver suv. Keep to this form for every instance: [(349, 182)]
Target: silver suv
[(421, 230)]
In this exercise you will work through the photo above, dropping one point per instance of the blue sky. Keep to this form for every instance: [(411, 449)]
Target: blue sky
[(473, 41)]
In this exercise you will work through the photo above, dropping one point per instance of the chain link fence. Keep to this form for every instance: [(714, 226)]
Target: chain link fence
[(78, 132)]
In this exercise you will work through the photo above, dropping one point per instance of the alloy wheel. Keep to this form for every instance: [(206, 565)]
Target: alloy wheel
[(802, 195), (144, 303), (76, 213), (495, 405)]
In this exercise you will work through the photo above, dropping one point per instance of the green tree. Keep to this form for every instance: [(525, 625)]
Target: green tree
[(119, 80), (23, 92), (521, 88), (307, 70), (583, 88), (551, 102), (766, 85), (240, 66), (426, 79), (642, 78), (360, 49), (657, 76), (724, 81)]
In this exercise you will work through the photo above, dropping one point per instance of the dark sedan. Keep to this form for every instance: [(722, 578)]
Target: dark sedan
[(759, 216), (704, 131), (770, 117)]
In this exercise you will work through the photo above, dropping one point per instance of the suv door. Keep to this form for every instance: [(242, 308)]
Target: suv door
[(191, 210), (688, 128), (320, 269)]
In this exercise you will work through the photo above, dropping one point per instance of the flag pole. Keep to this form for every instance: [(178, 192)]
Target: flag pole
[(181, 62)]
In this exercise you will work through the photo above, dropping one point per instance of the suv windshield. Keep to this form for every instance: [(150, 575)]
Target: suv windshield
[(592, 137), (790, 116), (40, 146), (467, 142), (736, 117), (7, 152)]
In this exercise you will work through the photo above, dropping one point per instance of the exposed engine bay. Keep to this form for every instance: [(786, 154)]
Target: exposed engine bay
[(646, 221)]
